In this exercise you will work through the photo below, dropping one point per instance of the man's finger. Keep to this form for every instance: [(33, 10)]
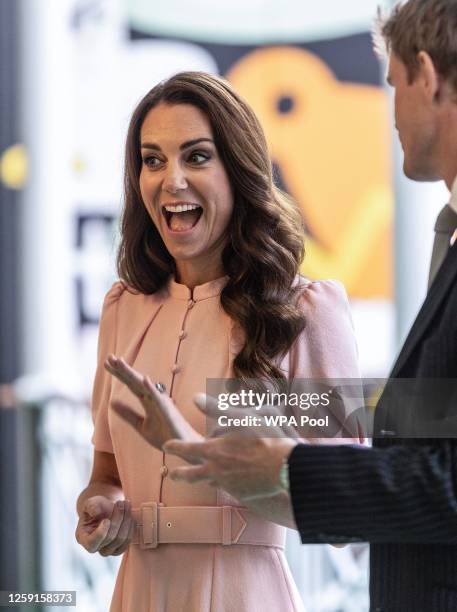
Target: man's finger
[(191, 474), (190, 451), (209, 406), (219, 432), (126, 413), (261, 429)]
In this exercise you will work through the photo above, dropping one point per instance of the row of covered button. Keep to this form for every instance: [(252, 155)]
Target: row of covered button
[(182, 334), (175, 369)]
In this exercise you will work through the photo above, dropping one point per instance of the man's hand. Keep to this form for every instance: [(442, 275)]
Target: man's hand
[(245, 467), (162, 420)]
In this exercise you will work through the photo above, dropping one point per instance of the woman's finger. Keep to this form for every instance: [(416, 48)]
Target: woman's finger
[(122, 534), (126, 375), (150, 388), (115, 523), (92, 541), (127, 414), (126, 521), (158, 399), (123, 547), (140, 385)]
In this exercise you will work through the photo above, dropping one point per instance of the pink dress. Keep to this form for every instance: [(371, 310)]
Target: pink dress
[(180, 338)]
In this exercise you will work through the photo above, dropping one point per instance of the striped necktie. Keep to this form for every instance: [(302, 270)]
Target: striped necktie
[(445, 226)]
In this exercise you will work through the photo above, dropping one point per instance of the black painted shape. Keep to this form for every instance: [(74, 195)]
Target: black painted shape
[(84, 318), (84, 219), (350, 58), (285, 105)]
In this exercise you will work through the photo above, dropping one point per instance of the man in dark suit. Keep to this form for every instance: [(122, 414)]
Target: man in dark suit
[(401, 494)]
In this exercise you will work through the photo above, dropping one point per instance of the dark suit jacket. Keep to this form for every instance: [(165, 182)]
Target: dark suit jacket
[(400, 495)]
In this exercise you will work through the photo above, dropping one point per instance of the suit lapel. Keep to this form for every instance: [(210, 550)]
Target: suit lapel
[(437, 293)]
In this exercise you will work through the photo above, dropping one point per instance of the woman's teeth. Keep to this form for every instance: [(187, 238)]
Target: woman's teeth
[(181, 208), (182, 217)]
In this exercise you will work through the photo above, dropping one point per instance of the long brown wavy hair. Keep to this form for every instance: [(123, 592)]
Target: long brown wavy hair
[(265, 243)]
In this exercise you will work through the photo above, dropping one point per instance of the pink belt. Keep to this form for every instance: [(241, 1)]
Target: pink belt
[(158, 524)]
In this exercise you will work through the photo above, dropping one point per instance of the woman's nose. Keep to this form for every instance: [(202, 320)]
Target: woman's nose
[(175, 179)]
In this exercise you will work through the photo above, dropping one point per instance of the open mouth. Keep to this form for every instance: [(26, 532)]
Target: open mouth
[(182, 218)]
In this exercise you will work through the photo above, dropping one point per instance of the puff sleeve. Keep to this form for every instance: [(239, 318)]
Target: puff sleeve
[(326, 350), (327, 347), (101, 438)]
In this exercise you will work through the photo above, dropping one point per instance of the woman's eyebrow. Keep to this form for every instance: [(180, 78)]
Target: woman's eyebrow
[(191, 143), (185, 145), (150, 145)]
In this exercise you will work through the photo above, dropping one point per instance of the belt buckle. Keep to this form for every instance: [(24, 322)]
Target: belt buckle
[(148, 530), (233, 525)]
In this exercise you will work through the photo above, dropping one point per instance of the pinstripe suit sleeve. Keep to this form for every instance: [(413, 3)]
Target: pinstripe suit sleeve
[(394, 494)]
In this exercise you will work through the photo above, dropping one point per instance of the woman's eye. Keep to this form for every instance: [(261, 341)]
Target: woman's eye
[(151, 161), (198, 157)]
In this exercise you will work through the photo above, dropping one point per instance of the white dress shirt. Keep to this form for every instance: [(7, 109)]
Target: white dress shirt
[(453, 205), (453, 200)]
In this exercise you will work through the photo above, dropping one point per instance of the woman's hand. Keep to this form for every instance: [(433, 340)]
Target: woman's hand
[(105, 526), (162, 420)]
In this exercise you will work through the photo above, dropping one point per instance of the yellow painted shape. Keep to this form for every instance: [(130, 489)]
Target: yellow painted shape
[(78, 164), (333, 149), (370, 219), (14, 166)]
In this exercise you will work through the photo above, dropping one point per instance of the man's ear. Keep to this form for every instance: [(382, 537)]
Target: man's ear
[(429, 76)]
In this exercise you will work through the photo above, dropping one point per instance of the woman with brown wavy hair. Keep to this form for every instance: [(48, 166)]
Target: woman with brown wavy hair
[(209, 258)]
